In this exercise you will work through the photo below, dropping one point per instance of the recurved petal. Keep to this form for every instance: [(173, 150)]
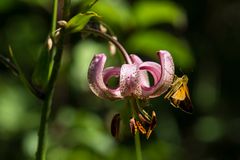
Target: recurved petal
[(155, 70), (130, 82), (143, 74), (167, 75), (108, 73), (96, 81), (162, 74)]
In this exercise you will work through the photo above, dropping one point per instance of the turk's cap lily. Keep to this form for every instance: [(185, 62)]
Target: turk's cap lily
[(133, 78)]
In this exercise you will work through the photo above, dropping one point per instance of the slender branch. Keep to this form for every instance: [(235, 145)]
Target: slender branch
[(136, 136), (115, 42), (7, 63), (18, 71)]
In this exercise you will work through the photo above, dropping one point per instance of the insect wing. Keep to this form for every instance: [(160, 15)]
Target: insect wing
[(186, 104), (179, 94)]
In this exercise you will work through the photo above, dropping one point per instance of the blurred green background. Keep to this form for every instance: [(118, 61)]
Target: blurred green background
[(203, 37)]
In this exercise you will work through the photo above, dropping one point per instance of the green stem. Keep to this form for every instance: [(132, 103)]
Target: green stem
[(138, 146), (136, 136), (54, 16), (46, 109), (42, 140)]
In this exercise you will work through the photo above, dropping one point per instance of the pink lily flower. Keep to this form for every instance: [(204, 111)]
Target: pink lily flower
[(133, 78)]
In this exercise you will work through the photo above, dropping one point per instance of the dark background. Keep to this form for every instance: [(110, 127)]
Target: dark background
[(203, 37)]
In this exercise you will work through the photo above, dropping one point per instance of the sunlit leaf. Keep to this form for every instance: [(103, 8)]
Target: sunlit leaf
[(86, 128), (78, 22), (14, 109), (82, 55), (149, 13), (30, 143), (151, 41), (116, 13)]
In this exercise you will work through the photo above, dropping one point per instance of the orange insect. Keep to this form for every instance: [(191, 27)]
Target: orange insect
[(178, 95)]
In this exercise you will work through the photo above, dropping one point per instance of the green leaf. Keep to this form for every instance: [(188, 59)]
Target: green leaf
[(83, 52), (115, 13), (78, 22), (150, 13), (149, 42), (85, 5), (42, 69)]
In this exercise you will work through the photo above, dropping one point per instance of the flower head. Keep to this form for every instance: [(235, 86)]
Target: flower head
[(133, 78), (133, 82)]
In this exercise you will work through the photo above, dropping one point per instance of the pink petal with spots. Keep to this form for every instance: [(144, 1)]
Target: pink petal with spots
[(97, 81)]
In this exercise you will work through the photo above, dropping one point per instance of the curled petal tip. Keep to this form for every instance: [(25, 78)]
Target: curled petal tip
[(96, 79), (162, 74), (94, 74), (168, 70)]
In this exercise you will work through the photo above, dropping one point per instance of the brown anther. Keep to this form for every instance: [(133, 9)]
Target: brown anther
[(133, 126), (140, 127), (152, 124), (143, 118), (115, 126)]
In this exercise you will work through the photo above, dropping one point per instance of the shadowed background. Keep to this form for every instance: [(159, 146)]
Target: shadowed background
[(203, 37)]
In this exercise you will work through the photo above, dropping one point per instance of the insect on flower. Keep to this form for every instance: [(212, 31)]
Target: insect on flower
[(133, 84), (178, 95)]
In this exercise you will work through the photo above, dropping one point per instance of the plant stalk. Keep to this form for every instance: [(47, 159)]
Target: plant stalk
[(136, 136), (46, 108)]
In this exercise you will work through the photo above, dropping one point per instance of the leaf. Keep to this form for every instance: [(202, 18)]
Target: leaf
[(42, 69), (78, 22), (149, 42), (82, 55), (85, 5), (115, 13), (151, 13), (22, 75)]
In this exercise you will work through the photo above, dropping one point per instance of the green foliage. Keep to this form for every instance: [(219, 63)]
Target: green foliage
[(147, 13), (5, 5), (43, 68), (78, 22), (82, 56), (80, 128), (148, 42), (86, 5), (114, 13), (209, 129)]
